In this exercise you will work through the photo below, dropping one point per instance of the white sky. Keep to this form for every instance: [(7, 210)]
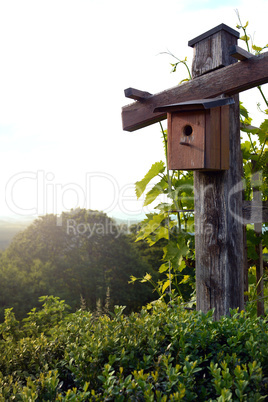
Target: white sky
[(64, 67)]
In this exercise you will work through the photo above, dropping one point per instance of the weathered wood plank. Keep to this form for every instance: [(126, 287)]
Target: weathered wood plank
[(219, 234), (228, 80), (194, 156), (239, 54), (246, 265), (210, 51), (257, 198), (136, 94), (213, 139), (248, 127)]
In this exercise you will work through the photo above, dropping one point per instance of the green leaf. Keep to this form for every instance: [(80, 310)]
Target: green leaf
[(170, 250), (166, 285), (146, 278), (185, 279), (248, 129), (246, 150), (133, 279), (243, 112), (264, 126), (174, 67), (155, 169), (175, 250), (263, 137), (163, 207), (161, 233), (245, 38), (155, 192), (150, 225), (164, 267), (257, 48), (182, 266)]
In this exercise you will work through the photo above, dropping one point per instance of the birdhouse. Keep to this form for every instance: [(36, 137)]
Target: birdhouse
[(198, 134)]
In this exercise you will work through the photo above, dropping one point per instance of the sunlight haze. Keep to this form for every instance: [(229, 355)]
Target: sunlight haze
[(64, 68)]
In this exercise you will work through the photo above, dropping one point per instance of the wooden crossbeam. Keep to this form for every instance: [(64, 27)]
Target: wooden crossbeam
[(228, 80)]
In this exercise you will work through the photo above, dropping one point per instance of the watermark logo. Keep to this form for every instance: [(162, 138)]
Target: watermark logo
[(73, 228), (38, 193), (46, 195)]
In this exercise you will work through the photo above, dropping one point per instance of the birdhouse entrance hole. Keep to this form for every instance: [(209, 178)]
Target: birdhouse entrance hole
[(198, 134), (187, 130)]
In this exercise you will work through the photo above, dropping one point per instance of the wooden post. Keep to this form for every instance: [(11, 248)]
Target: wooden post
[(219, 234), (257, 198), (245, 263), (259, 272), (219, 211)]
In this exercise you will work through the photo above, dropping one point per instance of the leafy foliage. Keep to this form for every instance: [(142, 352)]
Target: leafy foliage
[(166, 353), (82, 258), (173, 221), (255, 166)]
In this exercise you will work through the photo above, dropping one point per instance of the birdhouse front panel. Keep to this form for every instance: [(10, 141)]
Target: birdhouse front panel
[(186, 140), (198, 134)]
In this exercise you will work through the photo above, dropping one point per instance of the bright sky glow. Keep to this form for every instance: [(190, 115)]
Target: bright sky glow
[(64, 67)]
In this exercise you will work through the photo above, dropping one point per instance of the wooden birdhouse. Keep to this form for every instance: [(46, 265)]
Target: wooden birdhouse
[(198, 134)]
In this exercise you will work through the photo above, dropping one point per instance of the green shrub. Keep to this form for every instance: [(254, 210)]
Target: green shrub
[(161, 354)]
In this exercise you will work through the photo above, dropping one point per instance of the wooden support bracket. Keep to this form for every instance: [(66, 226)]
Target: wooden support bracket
[(248, 127), (239, 53), (136, 94)]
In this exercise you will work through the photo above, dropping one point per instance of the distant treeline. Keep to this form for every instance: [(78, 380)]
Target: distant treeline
[(82, 257), (8, 231)]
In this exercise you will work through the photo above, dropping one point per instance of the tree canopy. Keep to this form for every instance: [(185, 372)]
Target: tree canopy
[(80, 256)]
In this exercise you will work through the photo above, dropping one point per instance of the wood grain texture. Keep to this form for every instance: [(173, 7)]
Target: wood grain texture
[(219, 234), (136, 94), (210, 53), (228, 80), (239, 54), (181, 157), (257, 198), (213, 139), (219, 231), (208, 140)]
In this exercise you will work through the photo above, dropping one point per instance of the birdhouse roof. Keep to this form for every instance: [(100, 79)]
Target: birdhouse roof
[(198, 104), (221, 27)]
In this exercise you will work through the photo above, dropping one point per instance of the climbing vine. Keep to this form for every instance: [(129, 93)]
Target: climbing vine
[(173, 220)]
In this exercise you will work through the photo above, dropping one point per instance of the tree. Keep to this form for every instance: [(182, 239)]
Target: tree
[(84, 257)]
